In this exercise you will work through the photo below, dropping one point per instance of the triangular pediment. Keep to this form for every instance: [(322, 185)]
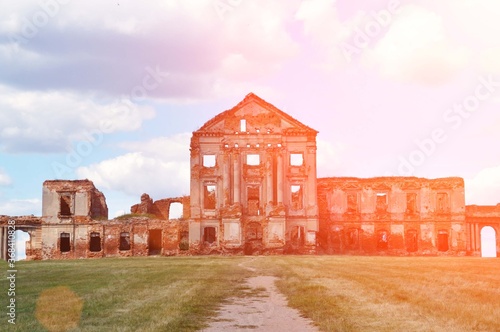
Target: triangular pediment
[(351, 186), (259, 116), (380, 187)]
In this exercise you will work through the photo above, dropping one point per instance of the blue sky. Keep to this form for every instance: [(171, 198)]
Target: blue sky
[(112, 91)]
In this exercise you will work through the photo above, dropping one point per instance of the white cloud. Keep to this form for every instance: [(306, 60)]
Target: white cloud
[(50, 121), (322, 24), (5, 180), (484, 188), (476, 22), (21, 207), (82, 46), (159, 167), (417, 48)]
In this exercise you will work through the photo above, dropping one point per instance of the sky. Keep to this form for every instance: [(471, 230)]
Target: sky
[(112, 90)]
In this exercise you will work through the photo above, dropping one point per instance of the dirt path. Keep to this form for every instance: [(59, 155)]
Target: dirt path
[(264, 308)]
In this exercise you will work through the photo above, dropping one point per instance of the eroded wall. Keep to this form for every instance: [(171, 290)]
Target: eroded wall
[(64, 200), (28, 224), (478, 217), (392, 215), (116, 238), (161, 208)]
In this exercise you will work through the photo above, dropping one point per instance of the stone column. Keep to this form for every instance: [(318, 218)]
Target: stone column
[(196, 186), (311, 180), (237, 178), (2, 243), (226, 173), (477, 237), (269, 178), (468, 238), (280, 177), (5, 243)]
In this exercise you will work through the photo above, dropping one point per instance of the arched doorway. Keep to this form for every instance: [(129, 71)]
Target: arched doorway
[(253, 238), (488, 242), (175, 210), (21, 238)]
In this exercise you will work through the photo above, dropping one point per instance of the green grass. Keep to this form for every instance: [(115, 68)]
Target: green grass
[(339, 293), (135, 215), (135, 294)]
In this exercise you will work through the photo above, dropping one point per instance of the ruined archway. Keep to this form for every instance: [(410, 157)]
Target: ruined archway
[(175, 210), (22, 237), (488, 242)]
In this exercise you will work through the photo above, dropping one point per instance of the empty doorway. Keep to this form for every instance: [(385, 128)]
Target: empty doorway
[(154, 242), (488, 242)]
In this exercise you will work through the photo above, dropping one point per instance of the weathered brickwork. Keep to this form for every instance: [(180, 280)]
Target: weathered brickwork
[(479, 218), (254, 190), (29, 224), (394, 215), (253, 181)]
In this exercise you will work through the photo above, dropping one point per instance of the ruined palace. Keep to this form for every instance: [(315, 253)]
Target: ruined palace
[(254, 190)]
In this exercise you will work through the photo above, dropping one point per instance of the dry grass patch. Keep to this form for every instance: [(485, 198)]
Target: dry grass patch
[(392, 293)]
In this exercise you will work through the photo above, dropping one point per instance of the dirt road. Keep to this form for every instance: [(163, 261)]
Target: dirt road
[(264, 308)]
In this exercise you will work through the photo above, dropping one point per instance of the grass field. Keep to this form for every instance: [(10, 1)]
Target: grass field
[(339, 293)]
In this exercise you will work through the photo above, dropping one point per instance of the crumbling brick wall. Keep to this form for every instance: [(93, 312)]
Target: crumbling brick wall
[(478, 218), (28, 224), (160, 208), (66, 199), (392, 215)]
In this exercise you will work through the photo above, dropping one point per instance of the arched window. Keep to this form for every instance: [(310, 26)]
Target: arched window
[(175, 210)]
